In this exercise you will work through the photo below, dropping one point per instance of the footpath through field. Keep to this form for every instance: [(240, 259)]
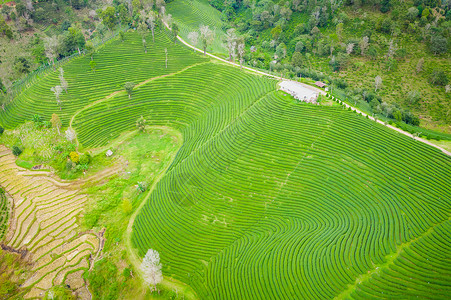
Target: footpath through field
[(313, 88)]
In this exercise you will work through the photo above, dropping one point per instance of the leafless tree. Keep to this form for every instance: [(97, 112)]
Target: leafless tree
[(207, 36), (349, 48), (57, 90), (231, 41), (377, 82), (420, 64), (151, 268), (63, 81), (364, 44), (193, 36), (241, 52), (51, 48)]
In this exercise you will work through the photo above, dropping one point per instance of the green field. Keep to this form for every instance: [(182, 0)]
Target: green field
[(190, 14), (267, 198)]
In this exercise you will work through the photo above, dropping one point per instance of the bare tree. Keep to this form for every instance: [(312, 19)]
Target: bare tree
[(166, 53), (57, 90), (193, 36), (142, 30), (420, 64), (70, 135), (151, 22), (241, 52), (364, 44), (392, 47), (151, 268), (63, 81), (29, 5), (447, 88), (51, 48), (206, 36), (231, 41), (377, 82), (349, 48)]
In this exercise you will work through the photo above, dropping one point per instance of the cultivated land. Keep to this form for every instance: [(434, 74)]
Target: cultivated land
[(266, 197), (44, 222)]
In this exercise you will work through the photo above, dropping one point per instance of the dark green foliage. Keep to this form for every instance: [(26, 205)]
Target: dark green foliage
[(439, 77), (2, 129), (22, 65), (439, 44), (104, 280), (16, 151), (5, 30)]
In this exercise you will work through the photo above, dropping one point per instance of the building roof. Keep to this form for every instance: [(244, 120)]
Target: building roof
[(320, 84)]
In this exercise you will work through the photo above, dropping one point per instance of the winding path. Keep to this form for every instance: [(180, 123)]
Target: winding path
[(313, 88)]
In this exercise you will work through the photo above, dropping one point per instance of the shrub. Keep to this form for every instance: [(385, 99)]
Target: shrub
[(2, 129), (85, 159), (74, 157), (17, 151)]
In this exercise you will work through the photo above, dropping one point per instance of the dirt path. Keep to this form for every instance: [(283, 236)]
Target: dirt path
[(168, 282), (312, 88)]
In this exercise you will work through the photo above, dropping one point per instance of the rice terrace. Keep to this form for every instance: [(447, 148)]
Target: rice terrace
[(254, 149)]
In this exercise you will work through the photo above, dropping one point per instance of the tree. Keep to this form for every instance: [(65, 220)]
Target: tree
[(142, 30), (151, 268), (206, 36), (377, 82), (141, 124), (22, 65), (63, 81), (74, 40), (51, 45), (439, 77), (439, 44), (71, 135), (296, 59), (109, 18), (412, 13), (420, 64), (175, 32), (151, 22), (93, 65), (241, 52), (193, 36), (90, 49), (166, 54), (349, 48), (57, 90), (4, 28), (397, 115), (129, 88), (231, 41), (100, 28), (121, 36), (56, 122), (364, 44), (16, 151)]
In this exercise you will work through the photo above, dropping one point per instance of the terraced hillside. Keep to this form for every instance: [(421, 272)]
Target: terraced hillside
[(191, 14), (267, 198), (298, 201), (117, 63), (4, 213), (44, 222)]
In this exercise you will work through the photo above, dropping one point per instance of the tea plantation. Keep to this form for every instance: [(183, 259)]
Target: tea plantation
[(267, 198)]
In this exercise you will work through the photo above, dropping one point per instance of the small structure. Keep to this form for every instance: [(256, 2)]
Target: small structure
[(253, 49), (109, 153), (320, 84), (299, 91)]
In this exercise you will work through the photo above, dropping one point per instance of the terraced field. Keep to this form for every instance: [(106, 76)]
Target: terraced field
[(44, 221), (4, 213), (190, 14), (268, 198), (117, 62), (297, 201)]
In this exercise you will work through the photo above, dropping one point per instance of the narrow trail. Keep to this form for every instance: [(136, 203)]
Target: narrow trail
[(123, 90), (312, 88), (168, 283)]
